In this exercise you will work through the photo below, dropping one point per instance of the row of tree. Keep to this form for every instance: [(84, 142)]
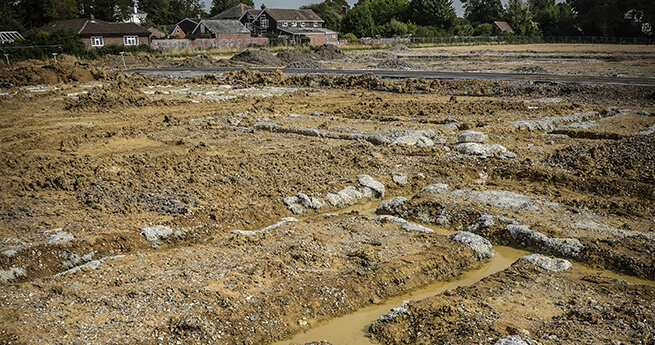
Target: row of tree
[(527, 17), (387, 18), (23, 15)]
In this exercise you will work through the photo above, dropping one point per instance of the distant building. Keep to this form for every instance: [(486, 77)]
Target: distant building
[(233, 13), (291, 23), (498, 28), (97, 33), (183, 28), (135, 15), (221, 28)]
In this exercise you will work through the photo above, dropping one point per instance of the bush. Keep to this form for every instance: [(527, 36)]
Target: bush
[(42, 44), (483, 30), (350, 37)]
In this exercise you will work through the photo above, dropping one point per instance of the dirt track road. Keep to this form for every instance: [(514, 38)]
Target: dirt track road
[(444, 75)]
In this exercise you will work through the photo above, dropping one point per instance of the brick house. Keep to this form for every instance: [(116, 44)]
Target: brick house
[(183, 28), (97, 33), (294, 24), (221, 28)]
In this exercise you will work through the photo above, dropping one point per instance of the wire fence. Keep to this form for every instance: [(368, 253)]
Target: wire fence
[(518, 40)]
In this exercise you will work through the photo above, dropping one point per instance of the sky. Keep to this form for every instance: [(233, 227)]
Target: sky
[(298, 3)]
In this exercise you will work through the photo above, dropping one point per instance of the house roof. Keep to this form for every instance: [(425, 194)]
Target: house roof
[(503, 26), (292, 14), (87, 27), (223, 26), (9, 36), (154, 32), (233, 13), (307, 31), (188, 24), (170, 28)]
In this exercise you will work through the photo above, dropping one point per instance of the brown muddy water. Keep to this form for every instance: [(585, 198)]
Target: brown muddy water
[(352, 329)]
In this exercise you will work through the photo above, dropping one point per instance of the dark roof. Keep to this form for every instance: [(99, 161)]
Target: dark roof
[(503, 26), (253, 13), (233, 13), (188, 24), (224, 26), (291, 14), (87, 27), (170, 28)]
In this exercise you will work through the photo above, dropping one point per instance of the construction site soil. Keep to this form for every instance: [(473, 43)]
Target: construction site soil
[(245, 207)]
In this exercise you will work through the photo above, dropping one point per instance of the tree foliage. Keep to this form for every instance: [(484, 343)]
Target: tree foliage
[(359, 21), (482, 11), (329, 11), (520, 18), (219, 6), (163, 12), (437, 13)]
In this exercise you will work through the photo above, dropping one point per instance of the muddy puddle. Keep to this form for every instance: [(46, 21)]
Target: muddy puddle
[(352, 329)]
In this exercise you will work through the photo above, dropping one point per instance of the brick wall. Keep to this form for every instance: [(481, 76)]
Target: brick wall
[(206, 43)]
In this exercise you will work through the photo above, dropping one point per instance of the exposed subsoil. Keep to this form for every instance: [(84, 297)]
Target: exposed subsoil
[(136, 209)]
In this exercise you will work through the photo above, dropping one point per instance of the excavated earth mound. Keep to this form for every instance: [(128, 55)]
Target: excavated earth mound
[(291, 56), (329, 52), (259, 57)]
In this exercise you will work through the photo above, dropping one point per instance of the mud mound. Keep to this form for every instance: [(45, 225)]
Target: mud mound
[(306, 64), (115, 96), (116, 61), (258, 57), (396, 64), (530, 69), (203, 61), (398, 48), (295, 56), (248, 77), (47, 74), (631, 158), (329, 52)]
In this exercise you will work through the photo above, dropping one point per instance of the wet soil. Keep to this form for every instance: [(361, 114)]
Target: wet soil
[(91, 167)]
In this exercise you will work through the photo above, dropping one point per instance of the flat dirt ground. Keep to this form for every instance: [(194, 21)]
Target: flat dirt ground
[(240, 208)]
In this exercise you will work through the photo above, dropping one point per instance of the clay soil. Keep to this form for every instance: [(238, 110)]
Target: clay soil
[(91, 156)]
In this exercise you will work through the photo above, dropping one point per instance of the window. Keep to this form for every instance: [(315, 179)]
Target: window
[(263, 22), (294, 24), (285, 24), (315, 24), (302, 25), (97, 41), (131, 40)]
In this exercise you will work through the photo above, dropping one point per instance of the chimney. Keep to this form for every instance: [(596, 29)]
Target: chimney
[(263, 7), (93, 18)]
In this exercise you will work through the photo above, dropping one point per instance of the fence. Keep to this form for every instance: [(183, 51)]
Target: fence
[(518, 39), (206, 43)]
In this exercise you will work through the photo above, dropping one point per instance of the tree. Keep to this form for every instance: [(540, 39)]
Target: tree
[(35, 13), (383, 11), (9, 21), (107, 10), (437, 13), (219, 6), (482, 11), (545, 15), (358, 21), (329, 11), (520, 18)]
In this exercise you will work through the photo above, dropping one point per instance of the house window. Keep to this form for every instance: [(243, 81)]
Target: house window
[(97, 41), (264, 22), (130, 40), (315, 24), (285, 24), (294, 24), (302, 25)]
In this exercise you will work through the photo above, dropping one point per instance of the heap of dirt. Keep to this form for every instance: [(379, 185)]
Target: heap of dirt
[(259, 57), (113, 96), (128, 60), (528, 303), (204, 61), (396, 64), (329, 52), (398, 48), (631, 158), (291, 56), (48, 74)]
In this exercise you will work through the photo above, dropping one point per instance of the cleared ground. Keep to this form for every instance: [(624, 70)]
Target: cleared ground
[(164, 188)]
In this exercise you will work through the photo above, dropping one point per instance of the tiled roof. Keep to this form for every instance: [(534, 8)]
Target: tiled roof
[(292, 14), (224, 26), (87, 27), (503, 26), (233, 13)]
